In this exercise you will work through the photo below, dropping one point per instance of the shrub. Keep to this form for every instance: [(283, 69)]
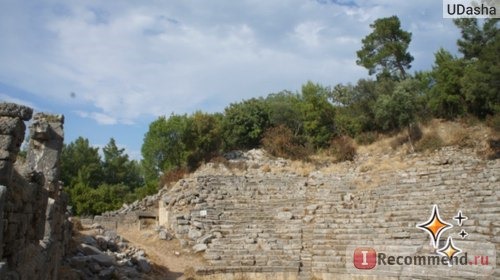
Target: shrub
[(218, 160), (342, 148), (398, 141), (494, 122), (429, 142), (172, 176), (366, 138), (413, 133), (494, 149), (279, 141), (461, 138)]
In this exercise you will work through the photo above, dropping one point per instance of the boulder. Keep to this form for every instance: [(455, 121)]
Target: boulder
[(89, 250), (194, 234), (104, 260), (143, 264), (164, 235), (200, 248)]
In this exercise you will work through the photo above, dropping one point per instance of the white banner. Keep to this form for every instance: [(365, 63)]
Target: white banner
[(471, 8)]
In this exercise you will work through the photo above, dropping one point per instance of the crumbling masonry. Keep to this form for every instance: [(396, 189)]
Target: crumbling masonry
[(34, 231)]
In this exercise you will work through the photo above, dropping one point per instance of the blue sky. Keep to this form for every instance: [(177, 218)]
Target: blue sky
[(112, 67)]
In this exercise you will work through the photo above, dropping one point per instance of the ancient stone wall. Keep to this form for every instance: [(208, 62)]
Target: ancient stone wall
[(34, 231), (286, 226)]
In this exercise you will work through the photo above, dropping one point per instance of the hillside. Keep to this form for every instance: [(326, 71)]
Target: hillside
[(272, 218)]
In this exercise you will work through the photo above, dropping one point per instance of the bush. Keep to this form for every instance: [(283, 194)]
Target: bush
[(429, 142), (494, 149), (172, 176), (279, 141), (342, 148), (461, 138), (366, 138), (414, 133), (494, 122)]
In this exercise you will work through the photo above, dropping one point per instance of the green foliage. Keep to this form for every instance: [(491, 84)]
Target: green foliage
[(92, 201), (473, 38), (318, 114), (355, 110), (481, 81), (446, 99), (384, 51), (81, 163), (204, 138), (285, 109), (244, 124), (95, 186), (480, 84), (397, 110), (117, 167), (295, 124), (164, 145)]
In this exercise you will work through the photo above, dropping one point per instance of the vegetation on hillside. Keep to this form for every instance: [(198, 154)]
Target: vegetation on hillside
[(297, 124)]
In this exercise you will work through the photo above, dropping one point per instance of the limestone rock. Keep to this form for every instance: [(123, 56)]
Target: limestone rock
[(15, 111), (194, 234), (284, 216), (200, 248)]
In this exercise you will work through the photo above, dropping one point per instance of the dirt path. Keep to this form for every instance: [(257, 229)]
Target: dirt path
[(170, 260)]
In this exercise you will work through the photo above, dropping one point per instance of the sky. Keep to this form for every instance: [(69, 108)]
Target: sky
[(113, 67)]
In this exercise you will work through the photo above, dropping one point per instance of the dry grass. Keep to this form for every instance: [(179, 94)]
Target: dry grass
[(266, 168), (298, 167), (77, 224), (494, 122), (171, 177), (430, 142), (343, 149), (190, 273)]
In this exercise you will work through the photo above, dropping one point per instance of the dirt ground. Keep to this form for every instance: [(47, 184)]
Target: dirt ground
[(167, 257)]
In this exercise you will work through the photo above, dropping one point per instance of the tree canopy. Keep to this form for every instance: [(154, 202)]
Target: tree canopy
[(297, 124), (385, 50)]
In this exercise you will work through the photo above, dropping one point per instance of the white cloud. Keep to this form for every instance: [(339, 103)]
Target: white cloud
[(8, 98), (124, 60), (98, 117)]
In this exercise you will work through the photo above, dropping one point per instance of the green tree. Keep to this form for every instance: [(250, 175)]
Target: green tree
[(285, 110), (356, 104), (384, 50), (244, 124), (204, 137), (474, 37), (481, 79), (80, 162), (117, 167), (164, 145), (398, 110), (318, 114), (446, 98)]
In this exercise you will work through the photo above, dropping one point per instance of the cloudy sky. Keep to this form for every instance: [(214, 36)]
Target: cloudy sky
[(112, 67)]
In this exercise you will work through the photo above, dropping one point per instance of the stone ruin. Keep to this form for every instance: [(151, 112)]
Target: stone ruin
[(290, 226), (34, 229)]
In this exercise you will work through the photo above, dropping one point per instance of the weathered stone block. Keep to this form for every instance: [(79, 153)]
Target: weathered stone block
[(15, 111), (200, 248)]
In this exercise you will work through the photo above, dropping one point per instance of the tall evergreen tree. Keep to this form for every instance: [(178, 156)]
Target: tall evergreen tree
[(384, 50)]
